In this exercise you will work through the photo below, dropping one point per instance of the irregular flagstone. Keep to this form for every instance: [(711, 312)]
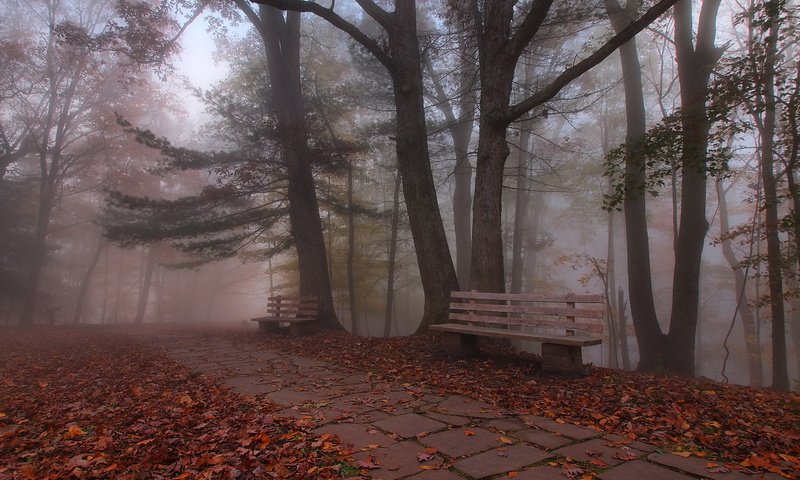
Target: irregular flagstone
[(436, 475), (396, 461), (448, 419), (567, 429), (468, 407), (638, 470), (542, 473), (409, 425), (616, 440), (700, 466), (358, 435), (462, 441), (500, 460), (599, 449), (510, 424), (542, 438)]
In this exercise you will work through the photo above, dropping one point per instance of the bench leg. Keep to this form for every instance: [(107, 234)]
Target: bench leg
[(562, 359), (460, 345)]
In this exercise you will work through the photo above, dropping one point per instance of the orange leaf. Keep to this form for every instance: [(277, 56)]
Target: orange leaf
[(469, 433), (74, 431), (513, 474), (506, 440)]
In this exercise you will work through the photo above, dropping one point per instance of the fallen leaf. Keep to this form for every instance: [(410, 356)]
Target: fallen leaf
[(74, 431), (469, 433), (506, 440)]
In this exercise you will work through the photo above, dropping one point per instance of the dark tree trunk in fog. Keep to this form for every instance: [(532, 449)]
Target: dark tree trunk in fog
[(281, 38), (622, 318), (767, 99), (749, 328), (521, 199), (351, 250), (403, 63), (392, 256), (460, 128), (87, 277), (695, 63), (643, 311), (144, 287)]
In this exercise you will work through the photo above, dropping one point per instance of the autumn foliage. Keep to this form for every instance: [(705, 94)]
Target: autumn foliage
[(93, 404), (743, 428)]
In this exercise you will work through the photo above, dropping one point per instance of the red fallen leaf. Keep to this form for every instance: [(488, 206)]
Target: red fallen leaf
[(425, 456), (370, 463), (593, 453), (506, 440), (372, 431), (626, 456), (103, 442), (598, 462), (572, 471), (513, 474), (469, 433)]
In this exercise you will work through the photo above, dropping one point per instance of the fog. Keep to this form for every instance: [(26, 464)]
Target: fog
[(172, 177)]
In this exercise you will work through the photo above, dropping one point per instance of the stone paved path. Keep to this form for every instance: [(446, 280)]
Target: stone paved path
[(411, 433)]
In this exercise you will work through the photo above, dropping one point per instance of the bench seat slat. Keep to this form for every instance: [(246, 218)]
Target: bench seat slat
[(562, 311), (523, 297), (530, 322), (575, 341), (283, 319)]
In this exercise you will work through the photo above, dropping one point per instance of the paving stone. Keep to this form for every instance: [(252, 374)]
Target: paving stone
[(293, 397), (456, 443), (538, 473), (467, 407), (699, 466), (396, 460), (543, 438), (597, 448), (510, 424), (500, 460), (638, 470), (436, 475), (567, 429), (617, 439), (356, 434), (448, 419), (409, 425)]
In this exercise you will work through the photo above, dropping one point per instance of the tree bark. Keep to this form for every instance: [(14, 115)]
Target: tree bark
[(521, 200), (392, 257), (87, 277), (144, 287), (281, 38), (351, 250), (640, 284)]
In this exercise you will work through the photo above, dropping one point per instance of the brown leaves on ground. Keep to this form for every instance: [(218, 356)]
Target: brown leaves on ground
[(750, 428), (83, 403)]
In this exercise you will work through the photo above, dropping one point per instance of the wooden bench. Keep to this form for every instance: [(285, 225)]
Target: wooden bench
[(563, 324), (296, 313)]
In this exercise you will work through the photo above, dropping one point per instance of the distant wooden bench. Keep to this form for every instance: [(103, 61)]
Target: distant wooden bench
[(563, 324), (296, 313)]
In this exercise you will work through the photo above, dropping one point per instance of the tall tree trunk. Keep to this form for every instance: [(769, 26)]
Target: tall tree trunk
[(749, 329), (622, 318), (87, 277), (144, 288), (695, 63), (392, 256), (640, 284), (281, 38), (780, 374), (351, 250), (436, 268)]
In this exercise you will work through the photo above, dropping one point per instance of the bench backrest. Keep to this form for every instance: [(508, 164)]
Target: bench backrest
[(293, 307), (571, 314)]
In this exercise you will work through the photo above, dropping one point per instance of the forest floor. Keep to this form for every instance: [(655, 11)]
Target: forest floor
[(102, 402)]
